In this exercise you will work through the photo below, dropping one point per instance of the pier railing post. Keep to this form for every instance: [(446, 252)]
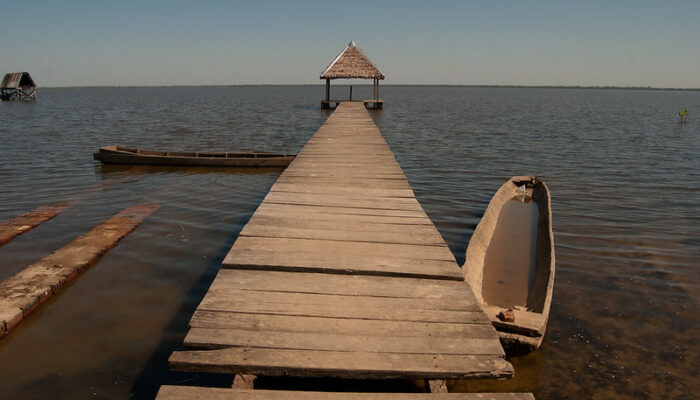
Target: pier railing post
[(376, 88)]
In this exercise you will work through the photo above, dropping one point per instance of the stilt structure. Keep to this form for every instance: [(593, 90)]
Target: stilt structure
[(17, 86), (352, 64)]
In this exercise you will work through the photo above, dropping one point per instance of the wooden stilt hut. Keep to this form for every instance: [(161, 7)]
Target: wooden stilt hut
[(352, 64), (18, 86)]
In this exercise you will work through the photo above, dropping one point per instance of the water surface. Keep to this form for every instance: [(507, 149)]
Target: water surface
[(622, 172)]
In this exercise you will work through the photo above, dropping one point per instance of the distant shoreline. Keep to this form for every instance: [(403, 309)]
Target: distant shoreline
[(390, 84)]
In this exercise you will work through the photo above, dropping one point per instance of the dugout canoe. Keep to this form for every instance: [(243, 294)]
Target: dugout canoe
[(133, 155), (520, 320)]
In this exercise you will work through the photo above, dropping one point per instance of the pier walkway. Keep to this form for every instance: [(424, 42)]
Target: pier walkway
[(340, 273)]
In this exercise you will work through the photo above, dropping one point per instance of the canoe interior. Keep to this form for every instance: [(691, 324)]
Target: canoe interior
[(144, 152), (531, 313)]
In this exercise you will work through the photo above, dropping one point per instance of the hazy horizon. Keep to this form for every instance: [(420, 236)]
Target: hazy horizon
[(596, 44), (336, 82)]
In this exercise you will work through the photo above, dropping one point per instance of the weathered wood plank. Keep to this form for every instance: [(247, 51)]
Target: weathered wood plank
[(217, 338), (353, 182), (203, 393), (320, 174), (369, 264), (295, 209), (293, 299), (340, 364), (326, 200), (371, 168), (350, 326), (227, 303), (22, 293), (369, 236), (346, 248), (354, 192), (27, 221), (352, 285), (345, 223), (306, 213), (339, 190)]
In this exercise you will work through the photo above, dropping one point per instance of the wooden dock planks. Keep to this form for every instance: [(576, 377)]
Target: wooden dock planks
[(27, 221), (22, 293), (201, 393), (344, 206), (340, 273)]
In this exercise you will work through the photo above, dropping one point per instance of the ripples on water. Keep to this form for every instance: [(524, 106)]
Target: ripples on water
[(623, 175)]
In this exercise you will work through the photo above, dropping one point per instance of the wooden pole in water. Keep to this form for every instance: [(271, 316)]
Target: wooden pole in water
[(328, 89), (350, 92)]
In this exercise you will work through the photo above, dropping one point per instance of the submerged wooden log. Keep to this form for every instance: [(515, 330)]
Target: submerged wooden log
[(27, 221), (25, 291)]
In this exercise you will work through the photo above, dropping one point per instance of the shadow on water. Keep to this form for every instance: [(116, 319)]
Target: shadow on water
[(156, 371)]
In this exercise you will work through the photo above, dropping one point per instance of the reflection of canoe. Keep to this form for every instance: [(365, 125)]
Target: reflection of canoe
[(132, 155), (504, 276)]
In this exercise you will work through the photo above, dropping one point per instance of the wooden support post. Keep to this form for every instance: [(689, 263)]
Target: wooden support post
[(376, 88), (350, 92), (328, 89), (436, 386), (243, 382)]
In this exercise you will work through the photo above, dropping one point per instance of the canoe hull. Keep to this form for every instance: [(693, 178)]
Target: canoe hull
[(119, 155), (526, 332)]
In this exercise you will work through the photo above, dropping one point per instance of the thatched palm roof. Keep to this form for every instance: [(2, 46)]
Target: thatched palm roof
[(351, 63), (16, 80)]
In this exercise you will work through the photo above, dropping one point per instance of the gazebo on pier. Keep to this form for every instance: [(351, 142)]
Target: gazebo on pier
[(352, 64), (18, 86)]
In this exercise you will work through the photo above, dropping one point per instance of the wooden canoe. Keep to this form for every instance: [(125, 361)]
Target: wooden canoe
[(132, 155), (521, 327)]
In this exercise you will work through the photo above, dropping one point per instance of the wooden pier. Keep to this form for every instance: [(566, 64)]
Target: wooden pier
[(340, 273)]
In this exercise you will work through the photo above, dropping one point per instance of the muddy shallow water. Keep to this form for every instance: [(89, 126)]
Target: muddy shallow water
[(622, 172)]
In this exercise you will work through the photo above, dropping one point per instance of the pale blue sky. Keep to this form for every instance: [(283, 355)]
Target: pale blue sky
[(85, 43)]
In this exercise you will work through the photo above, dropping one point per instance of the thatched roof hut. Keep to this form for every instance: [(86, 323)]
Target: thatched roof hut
[(17, 86), (351, 63)]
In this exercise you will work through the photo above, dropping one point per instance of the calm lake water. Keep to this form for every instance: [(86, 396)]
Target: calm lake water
[(623, 173)]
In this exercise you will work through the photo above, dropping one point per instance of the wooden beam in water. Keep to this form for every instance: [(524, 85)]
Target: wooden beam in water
[(22, 293), (27, 221)]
